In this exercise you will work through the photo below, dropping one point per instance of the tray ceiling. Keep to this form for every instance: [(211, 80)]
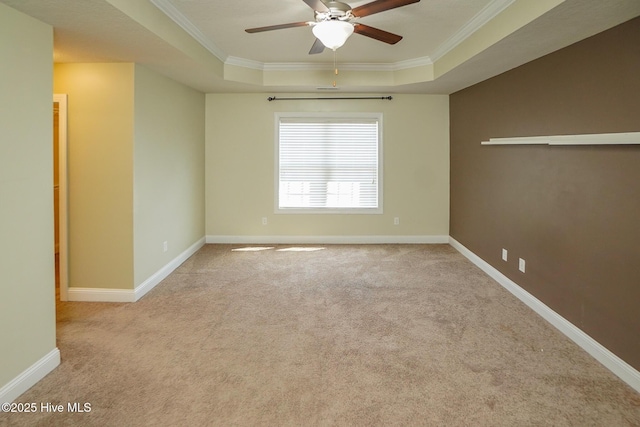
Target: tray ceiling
[(447, 44)]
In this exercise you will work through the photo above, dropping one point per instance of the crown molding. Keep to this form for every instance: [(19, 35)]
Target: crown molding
[(412, 63), (297, 66), (321, 66), (246, 63), (172, 12), (488, 13)]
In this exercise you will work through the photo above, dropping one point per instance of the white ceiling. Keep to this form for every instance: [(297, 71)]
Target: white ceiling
[(424, 26), (202, 43)]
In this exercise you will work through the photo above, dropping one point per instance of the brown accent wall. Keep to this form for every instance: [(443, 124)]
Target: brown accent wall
[(573, 213)]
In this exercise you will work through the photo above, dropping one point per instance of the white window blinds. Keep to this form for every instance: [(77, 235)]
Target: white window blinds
[(329, 163)]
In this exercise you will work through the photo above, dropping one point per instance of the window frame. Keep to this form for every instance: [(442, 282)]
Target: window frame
[(378, 117)]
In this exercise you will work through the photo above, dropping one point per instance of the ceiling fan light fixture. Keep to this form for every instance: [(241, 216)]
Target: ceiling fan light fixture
[(332, 33)]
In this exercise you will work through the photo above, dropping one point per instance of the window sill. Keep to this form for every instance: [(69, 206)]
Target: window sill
[(330, 211)]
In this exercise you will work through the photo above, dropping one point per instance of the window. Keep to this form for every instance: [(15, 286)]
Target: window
[(328, 163)]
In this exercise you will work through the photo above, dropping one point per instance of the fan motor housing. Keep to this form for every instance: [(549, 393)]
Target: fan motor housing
[(337, 9)]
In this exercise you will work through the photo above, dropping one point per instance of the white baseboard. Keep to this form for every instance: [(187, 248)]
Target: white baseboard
[(28, 378), (161, 274), (612, 362), (327, 240), (100, 295), (133, 295)]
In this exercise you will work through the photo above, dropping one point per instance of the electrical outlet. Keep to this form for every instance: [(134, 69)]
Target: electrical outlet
[(521, 264), (264, 220), (505, 253), (165, 246), (396, 221)]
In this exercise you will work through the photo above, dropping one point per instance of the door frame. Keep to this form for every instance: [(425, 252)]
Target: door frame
[(63, 192)]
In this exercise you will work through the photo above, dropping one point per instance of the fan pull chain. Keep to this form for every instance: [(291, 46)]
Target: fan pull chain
[(335, 67)]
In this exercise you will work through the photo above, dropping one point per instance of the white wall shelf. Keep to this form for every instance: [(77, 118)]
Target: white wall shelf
[(628, 138)]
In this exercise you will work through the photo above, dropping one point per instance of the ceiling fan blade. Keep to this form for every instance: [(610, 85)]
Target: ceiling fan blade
[(376, 33), (317, 5), (317, 47), (379, 6), (276, 27)]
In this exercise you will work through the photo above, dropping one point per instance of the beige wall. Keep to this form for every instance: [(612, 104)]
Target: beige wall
[(168, 170), (100, 120), (136, 172), (240, 168), (27, 301)]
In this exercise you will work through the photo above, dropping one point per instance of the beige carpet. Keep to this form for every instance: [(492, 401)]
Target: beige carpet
[(350, 335)]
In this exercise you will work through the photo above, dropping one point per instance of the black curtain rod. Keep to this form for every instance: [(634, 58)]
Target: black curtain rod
[(273, 98)]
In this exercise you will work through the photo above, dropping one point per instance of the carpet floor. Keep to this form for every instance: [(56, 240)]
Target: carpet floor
[(346, 335)]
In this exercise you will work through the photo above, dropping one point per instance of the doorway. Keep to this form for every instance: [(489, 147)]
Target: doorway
[(60, 195)]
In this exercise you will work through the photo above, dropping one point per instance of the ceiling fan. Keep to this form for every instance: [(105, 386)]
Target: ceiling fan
[(336, 21)]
